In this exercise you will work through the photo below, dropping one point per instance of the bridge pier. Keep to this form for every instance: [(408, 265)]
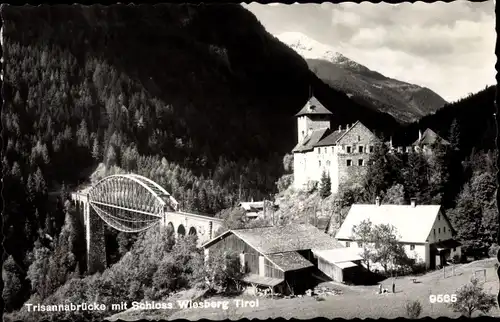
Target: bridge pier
[(94, 235)]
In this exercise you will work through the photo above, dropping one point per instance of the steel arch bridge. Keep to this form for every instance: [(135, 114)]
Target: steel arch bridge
[(133, 203)]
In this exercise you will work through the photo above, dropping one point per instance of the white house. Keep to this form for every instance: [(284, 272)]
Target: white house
[(424, 230)]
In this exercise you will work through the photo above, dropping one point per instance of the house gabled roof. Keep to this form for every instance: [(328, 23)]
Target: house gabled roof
[(334, 137), (281, 239), (429, 137), (313, 107), (311, 140), (413, 224)]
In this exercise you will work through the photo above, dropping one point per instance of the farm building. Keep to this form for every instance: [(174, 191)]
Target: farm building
[(284, 258), (425, 231), (253, 209)]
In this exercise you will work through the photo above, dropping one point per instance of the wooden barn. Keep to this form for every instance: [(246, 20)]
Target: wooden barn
[(280, 258)]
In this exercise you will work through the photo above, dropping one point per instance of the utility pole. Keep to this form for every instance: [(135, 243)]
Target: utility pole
[(264, 207), (239, 194)]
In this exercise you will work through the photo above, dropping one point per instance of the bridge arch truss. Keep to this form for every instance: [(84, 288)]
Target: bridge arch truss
[(130, 202)]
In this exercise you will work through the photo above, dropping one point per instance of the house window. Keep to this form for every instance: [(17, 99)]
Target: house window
[(439, 217), (348, 149), (439, 230), (349, 163), (360, 149), (454, 249), (359, 138), (320, 163), (347, 244), (325, 150), (319, 150), (360, 162), (412, 247), (371, 148), (333, 149), (360, 244), (444, 229), (328, 163), (434, 231)]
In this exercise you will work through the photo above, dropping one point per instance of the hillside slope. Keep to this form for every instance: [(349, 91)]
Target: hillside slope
[(171, 80), (406, 102)]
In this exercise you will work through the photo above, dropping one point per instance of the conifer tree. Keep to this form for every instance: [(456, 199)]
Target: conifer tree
[(325, 186), (454, 137)]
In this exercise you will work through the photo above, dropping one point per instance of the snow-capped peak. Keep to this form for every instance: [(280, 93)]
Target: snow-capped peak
[(309, 48)]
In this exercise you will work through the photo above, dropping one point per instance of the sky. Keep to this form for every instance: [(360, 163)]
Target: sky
[(447, 47)]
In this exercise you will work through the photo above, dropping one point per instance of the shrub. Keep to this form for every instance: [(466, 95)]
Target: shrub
[(472, 298), (413, 309), (419, 268), (493, 250), (284, 182)]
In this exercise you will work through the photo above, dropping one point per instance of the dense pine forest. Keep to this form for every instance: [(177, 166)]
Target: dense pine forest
[(198, 98)]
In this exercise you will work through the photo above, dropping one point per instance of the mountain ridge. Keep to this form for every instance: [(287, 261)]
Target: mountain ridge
[(405, 101)]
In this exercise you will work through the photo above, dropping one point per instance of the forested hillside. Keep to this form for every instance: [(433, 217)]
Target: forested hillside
[(471, 118), (198, 98)]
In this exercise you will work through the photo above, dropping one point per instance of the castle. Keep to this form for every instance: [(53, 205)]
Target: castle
[(342, 154)]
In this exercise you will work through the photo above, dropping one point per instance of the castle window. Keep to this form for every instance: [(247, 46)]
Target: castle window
[(371, 148), (360, 162), (412, 247), (348, 149), (349, 163), (360, 149)]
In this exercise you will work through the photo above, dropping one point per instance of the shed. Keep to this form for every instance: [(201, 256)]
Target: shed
[(339, 264)]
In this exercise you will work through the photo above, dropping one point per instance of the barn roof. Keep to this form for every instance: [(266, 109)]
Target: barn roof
[(413, 223), (287, 238), (289, 261), (281, 239), (313, 107), (338, 255)]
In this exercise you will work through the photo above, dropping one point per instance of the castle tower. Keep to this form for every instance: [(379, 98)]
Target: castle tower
[(313, 116)]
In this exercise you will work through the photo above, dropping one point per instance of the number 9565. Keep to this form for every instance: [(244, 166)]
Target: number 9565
[(442, 298)]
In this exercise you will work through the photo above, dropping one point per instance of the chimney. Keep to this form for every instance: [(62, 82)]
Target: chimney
[(413, 202), (377, 201), (347, 127), (340, 128), (419, 135), (390, 142)]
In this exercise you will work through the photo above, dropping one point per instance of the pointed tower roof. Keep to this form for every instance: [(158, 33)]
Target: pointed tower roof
[(313, 107)]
